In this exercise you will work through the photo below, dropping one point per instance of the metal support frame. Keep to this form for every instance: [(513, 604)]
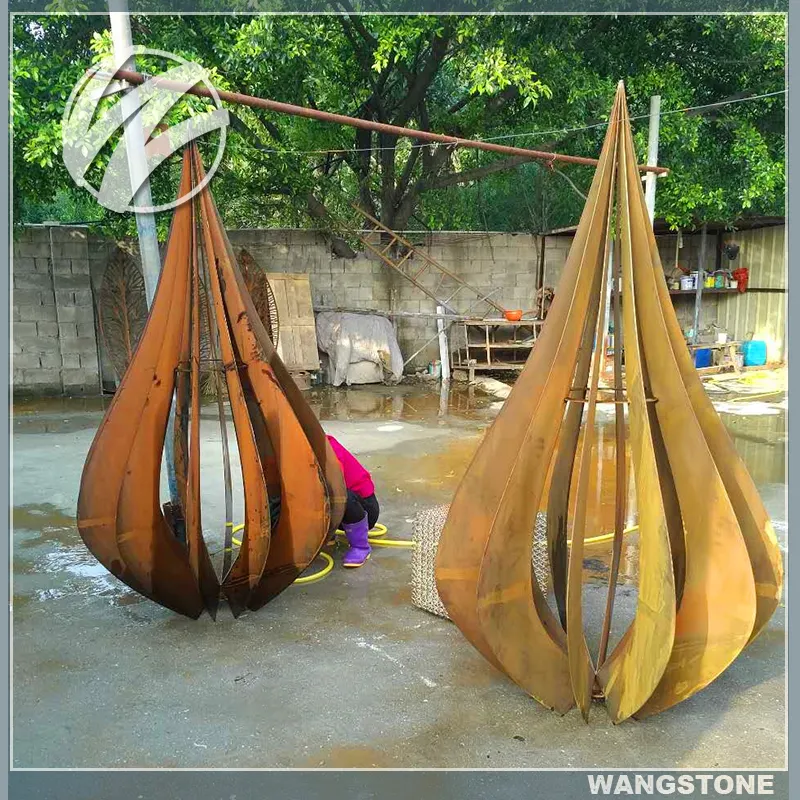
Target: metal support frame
[(367, 124)]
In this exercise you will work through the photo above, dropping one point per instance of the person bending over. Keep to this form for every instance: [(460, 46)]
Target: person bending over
[(362, 509)]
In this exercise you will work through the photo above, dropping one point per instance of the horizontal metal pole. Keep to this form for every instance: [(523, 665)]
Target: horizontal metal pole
[(237, 98)]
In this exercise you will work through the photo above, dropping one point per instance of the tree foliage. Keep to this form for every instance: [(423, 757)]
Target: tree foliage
[(545, 82)]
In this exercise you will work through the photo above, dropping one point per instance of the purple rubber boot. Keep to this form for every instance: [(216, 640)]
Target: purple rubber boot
[(357, 537)]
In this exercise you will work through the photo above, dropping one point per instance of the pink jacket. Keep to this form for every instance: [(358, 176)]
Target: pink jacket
[(356, 478)]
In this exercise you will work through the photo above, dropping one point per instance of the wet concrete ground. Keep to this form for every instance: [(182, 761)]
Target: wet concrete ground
[(344, 672)]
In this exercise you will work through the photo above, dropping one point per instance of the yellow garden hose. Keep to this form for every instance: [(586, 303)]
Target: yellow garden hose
[(315, 576), (376, 537), (379, 531), (605, 537)]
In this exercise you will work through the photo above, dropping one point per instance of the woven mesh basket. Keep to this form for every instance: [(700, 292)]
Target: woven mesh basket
[(427, 529)]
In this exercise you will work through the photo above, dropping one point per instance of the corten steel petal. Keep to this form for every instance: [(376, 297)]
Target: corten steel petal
[(283, 450), (709, 567), (305, 518), (629, 677), (326, 458), (145, 555), (483, 563)]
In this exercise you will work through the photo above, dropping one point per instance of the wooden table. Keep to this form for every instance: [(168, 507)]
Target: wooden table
[(728, 348)]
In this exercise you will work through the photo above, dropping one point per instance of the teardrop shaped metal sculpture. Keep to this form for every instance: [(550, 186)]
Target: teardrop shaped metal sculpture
[(283, 449), (710, 572)]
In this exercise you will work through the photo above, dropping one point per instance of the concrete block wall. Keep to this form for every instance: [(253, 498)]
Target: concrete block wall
[(56, 349), (360, 283), (58, 353), (54, 342), (101, 250)]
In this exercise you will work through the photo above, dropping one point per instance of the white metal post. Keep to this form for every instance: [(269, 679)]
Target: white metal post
[(652, 155), (701, 276), (134, 145), (122, 41), (444, 354)]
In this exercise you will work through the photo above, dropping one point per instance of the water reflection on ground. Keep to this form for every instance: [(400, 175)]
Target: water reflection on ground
[(758, 430)]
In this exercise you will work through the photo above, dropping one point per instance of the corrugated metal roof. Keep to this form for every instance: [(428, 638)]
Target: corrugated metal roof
[(661, 227)]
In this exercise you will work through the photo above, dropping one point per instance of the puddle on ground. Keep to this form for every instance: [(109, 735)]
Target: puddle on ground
[(419, 473), (352, 757), (410, 402), (51, 562), (42, 518), (27, 406), (58, 415), (422, 471)]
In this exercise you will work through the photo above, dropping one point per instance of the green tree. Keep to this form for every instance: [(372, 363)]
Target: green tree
[(542, 82)]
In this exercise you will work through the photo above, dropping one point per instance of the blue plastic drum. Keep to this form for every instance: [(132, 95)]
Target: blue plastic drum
[(755, 353)]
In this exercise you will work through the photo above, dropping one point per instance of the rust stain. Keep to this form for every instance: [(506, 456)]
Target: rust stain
[(350, 757)]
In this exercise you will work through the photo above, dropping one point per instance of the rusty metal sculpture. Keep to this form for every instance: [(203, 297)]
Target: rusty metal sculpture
[(710, 571), (283, 450)]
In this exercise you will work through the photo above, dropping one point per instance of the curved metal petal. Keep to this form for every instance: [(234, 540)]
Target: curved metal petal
[(483, 563), (105, 463), (581, 670), (632, 672), (710, 569), (305, 515), (199, 557), (718, 606), (154, 557), (249, 565), (756, 527), (281, 444)]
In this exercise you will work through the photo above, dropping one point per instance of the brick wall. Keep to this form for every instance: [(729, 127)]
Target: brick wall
[(54, 341), (56, 350), (360, 283), (504, 264)]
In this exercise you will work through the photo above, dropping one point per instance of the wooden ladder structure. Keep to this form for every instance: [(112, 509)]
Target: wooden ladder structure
[(403, 267)]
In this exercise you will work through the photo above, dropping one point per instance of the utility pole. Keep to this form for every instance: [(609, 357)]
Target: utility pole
[(134, 145), (652, 155), (122, 41)]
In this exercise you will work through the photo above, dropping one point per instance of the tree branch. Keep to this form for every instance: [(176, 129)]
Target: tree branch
[(408, 170), (424, 78), (476, 174), (314, 208), (569, 181), (355, 21)]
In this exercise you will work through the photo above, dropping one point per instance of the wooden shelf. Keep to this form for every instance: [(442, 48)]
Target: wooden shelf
[(495, 365), (491, 350), (525, 323), (501, 346), (705, 291)]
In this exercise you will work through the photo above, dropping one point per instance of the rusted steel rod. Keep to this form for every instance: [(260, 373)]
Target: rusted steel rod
[(325, 116)]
